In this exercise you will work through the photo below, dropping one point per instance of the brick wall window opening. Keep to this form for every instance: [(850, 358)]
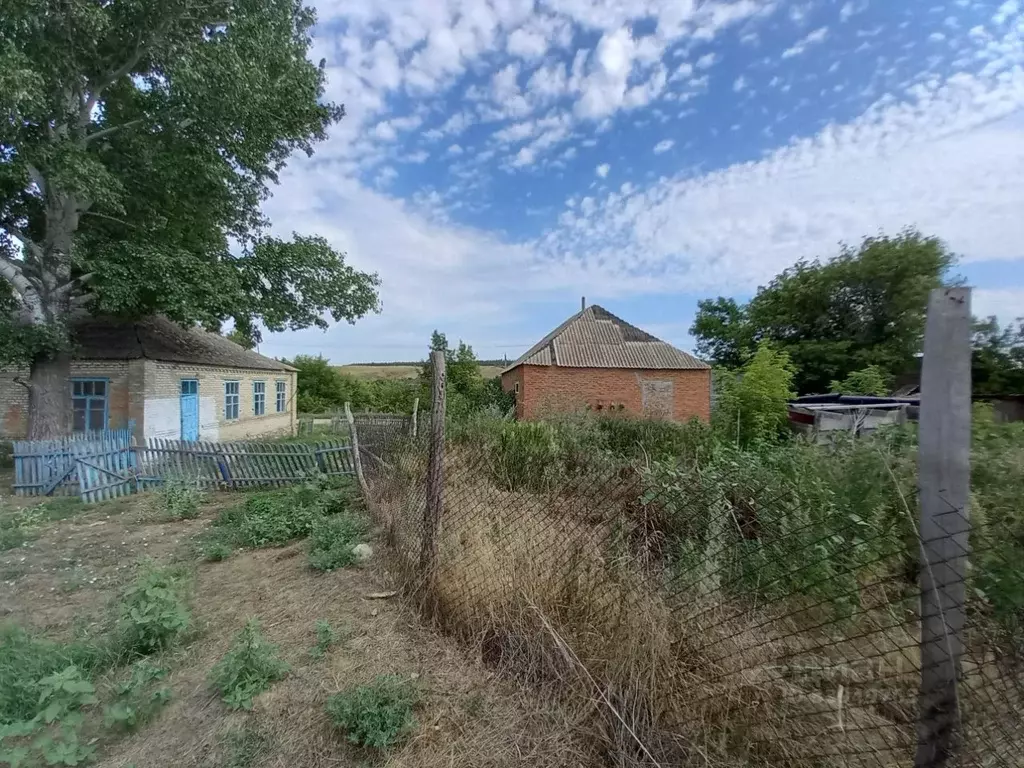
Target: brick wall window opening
[(89, 404), (259, 398), (281, 399), (231, 400), (515, 388)]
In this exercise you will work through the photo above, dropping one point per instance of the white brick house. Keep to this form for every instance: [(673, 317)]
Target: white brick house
[(173, 382)]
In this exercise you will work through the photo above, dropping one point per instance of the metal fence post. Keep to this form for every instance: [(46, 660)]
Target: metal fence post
[(356, 458), (944, 483), (435, 469)]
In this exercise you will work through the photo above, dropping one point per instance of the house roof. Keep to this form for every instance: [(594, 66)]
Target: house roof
[(157, 338), (595, 338)]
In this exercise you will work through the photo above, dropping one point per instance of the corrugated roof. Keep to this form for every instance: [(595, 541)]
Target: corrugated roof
[(157, 338), (595, 338)]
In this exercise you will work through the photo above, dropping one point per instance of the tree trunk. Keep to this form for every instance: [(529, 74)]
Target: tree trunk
[(49, 396)]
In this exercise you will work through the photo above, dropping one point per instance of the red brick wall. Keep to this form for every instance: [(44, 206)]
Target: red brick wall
[(553, 388)]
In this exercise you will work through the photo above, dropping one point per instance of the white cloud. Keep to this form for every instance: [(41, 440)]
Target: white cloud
[(524, 157), (602, 170), (706, 61), (851, 9), (1006, 11), (739, 84), (455, 149), (815, 37), (548, 82), (663, 146)]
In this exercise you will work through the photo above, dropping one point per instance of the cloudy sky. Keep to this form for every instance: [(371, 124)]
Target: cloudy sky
[(502, 158)]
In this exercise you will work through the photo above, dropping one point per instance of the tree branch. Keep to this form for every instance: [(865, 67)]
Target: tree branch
[(37, 177), (11, 272), (96, 89), (108, 131), (109, 218)]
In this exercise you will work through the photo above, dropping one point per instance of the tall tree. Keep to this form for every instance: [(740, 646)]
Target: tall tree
[(997, 360), (137, 143), (864, 307)]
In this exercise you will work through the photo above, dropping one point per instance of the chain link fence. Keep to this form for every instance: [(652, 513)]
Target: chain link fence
[(715, 612)]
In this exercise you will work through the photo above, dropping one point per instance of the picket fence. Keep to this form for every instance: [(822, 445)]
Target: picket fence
[(110, 465)]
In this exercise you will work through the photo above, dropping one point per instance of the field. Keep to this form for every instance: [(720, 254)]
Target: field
[(67, 571), (411, 371)]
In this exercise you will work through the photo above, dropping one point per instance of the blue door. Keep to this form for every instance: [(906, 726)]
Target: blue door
[(189, 409)]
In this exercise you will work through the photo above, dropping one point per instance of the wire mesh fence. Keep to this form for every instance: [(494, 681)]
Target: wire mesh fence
[(716, 613)]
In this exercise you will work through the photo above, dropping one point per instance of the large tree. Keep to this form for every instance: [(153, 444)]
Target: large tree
[(137, 142), (864, 307)]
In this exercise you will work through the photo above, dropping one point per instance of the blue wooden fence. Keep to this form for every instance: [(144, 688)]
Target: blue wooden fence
[(51, 467)]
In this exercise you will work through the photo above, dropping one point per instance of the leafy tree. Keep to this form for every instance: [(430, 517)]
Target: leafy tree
[(241, 338), (997, 361), (864, 307), (752, 405), (320, 387), (867, 381), (138, 142)]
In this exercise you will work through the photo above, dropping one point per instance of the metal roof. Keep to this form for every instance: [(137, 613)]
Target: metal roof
[(595, 338)]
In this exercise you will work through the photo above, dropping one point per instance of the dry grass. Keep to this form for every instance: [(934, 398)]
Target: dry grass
[(552, 589), (468, 717)]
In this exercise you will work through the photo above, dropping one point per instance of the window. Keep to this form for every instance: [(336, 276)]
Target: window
[(515, 388), (230, 399), (190, 386), (259, 397), (281, 399), (88, 404)]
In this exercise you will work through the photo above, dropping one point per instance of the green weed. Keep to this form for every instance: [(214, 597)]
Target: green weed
[(244, 746), (154, 612), (137, 698), (325, 638), (377, 715), (20, 526), (247, 669), (179, 499), (332, 539)]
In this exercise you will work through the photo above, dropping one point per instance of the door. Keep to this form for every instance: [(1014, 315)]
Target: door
[(189, 409)]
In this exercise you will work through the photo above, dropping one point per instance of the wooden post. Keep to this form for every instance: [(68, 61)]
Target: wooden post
[(415, 415), (356, 458), (435, 470), (944, 443)]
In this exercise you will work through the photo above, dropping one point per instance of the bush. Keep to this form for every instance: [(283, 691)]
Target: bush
[(24, 661), (247, 669), (332, 539), (179, 499), (153, 611), (137, 699), (376, 715), (325, 638)]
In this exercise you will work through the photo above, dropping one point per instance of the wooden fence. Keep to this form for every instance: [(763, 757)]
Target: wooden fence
[(110, 465)]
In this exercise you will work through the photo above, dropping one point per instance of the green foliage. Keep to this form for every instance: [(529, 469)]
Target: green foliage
[(331, 540), (153, 611), (179, 498), (752, 407), (325, 638), (997, 361), (868, 381), (19, 526), (866, 306), (270, 519), (250, 667), (138, 699), (244, 746), (377, 715), (25, 660)]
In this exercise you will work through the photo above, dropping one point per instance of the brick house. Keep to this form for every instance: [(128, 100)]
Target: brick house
[(183, 384), (598, 362)]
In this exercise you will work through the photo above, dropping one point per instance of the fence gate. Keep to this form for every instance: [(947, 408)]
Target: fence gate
[(52, 467)]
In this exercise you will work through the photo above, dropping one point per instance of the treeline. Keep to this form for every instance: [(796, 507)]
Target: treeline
[(854, 323), (323, 388), (414, 363)]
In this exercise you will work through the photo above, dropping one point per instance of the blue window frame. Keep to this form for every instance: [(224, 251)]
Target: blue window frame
[(280, 391), (259, 397), (89, 404), (231, 400), (190, 386)]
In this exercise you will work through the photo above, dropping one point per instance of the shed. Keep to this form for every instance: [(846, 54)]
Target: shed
[(599, 362), (173, 382)]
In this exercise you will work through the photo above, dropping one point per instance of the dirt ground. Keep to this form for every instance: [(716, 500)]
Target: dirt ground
[(68, 578)]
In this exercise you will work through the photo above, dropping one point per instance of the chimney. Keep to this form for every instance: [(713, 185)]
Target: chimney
[(583, 303)]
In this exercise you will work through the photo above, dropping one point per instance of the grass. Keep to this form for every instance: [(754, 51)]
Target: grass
[(249, 668), (21, 525), (377, 715)]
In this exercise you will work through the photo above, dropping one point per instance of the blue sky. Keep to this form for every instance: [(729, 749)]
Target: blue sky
[(502, 158)]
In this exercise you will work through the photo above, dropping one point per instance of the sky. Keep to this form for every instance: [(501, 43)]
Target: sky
[(501, 159)]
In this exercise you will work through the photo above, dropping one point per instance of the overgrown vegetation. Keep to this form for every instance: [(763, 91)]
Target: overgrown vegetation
[(20, 525), (325, 638), (377, 715), (154, 612), (250, 667), (178, 498)]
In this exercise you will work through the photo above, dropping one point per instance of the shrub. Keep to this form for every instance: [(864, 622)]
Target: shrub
[(153, 611), (376, 715), (332, 539), (137, 701), (179, 499), (752, 406), (325, 638), (247, 669)]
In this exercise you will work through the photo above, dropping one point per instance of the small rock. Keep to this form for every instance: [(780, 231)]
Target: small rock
[(363, 552)]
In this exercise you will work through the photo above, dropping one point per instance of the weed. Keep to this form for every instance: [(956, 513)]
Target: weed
[(153, 611), (20, 526), (376, 715), (325, 638), (249, 667), (180, 498), (332, 540), (137, 701)]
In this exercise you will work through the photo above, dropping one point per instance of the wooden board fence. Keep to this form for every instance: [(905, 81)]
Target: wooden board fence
[(240, 464), (50, 467)]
